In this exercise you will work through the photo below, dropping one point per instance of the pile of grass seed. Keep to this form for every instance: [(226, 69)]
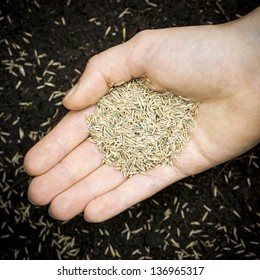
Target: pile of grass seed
[(138, 129)]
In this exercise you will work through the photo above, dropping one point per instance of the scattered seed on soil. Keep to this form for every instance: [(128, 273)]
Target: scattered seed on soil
[(36, 69)]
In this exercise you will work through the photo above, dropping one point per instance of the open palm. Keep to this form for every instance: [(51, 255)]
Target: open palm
[(190, 61)]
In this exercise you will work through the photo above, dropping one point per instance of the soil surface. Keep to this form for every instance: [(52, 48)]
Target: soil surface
[(44, 46)]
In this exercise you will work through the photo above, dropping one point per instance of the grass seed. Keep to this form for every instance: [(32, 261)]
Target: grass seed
[(138, 129)]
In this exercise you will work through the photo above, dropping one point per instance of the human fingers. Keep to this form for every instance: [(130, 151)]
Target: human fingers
[(82, 161), (140, 187), (135, 189), (105, 180), (105, 192), (68, 133), (72, 202)]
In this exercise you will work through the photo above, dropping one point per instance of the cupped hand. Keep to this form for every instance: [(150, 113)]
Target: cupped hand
[(216, 65)]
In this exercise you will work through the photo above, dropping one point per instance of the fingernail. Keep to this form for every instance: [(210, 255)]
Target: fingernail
[(70, 92), (31, 201), (49, 211), (86, 219)]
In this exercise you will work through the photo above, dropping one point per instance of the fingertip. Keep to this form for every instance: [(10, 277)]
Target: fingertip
[(92, 215), (50, 214), (36, 194), (26, 165), (30, 200), (87, 92), (34, 163), (70, 92), (31, 167), (56, 215), (86, 219)]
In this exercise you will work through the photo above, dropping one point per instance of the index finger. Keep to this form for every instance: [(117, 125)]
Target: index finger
[(68, 134)]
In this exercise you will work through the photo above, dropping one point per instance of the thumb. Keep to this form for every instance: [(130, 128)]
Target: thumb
[(115, 65)]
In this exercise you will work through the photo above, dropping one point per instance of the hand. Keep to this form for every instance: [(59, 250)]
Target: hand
[(216, 65)]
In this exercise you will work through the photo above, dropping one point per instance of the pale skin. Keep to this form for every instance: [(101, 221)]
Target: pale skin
[(216, 65)]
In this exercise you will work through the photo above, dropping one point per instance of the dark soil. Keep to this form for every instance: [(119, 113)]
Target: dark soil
[(214, 215)]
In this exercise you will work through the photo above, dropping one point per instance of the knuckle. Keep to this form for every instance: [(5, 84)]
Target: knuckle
[(92, 61), (143, 36)]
